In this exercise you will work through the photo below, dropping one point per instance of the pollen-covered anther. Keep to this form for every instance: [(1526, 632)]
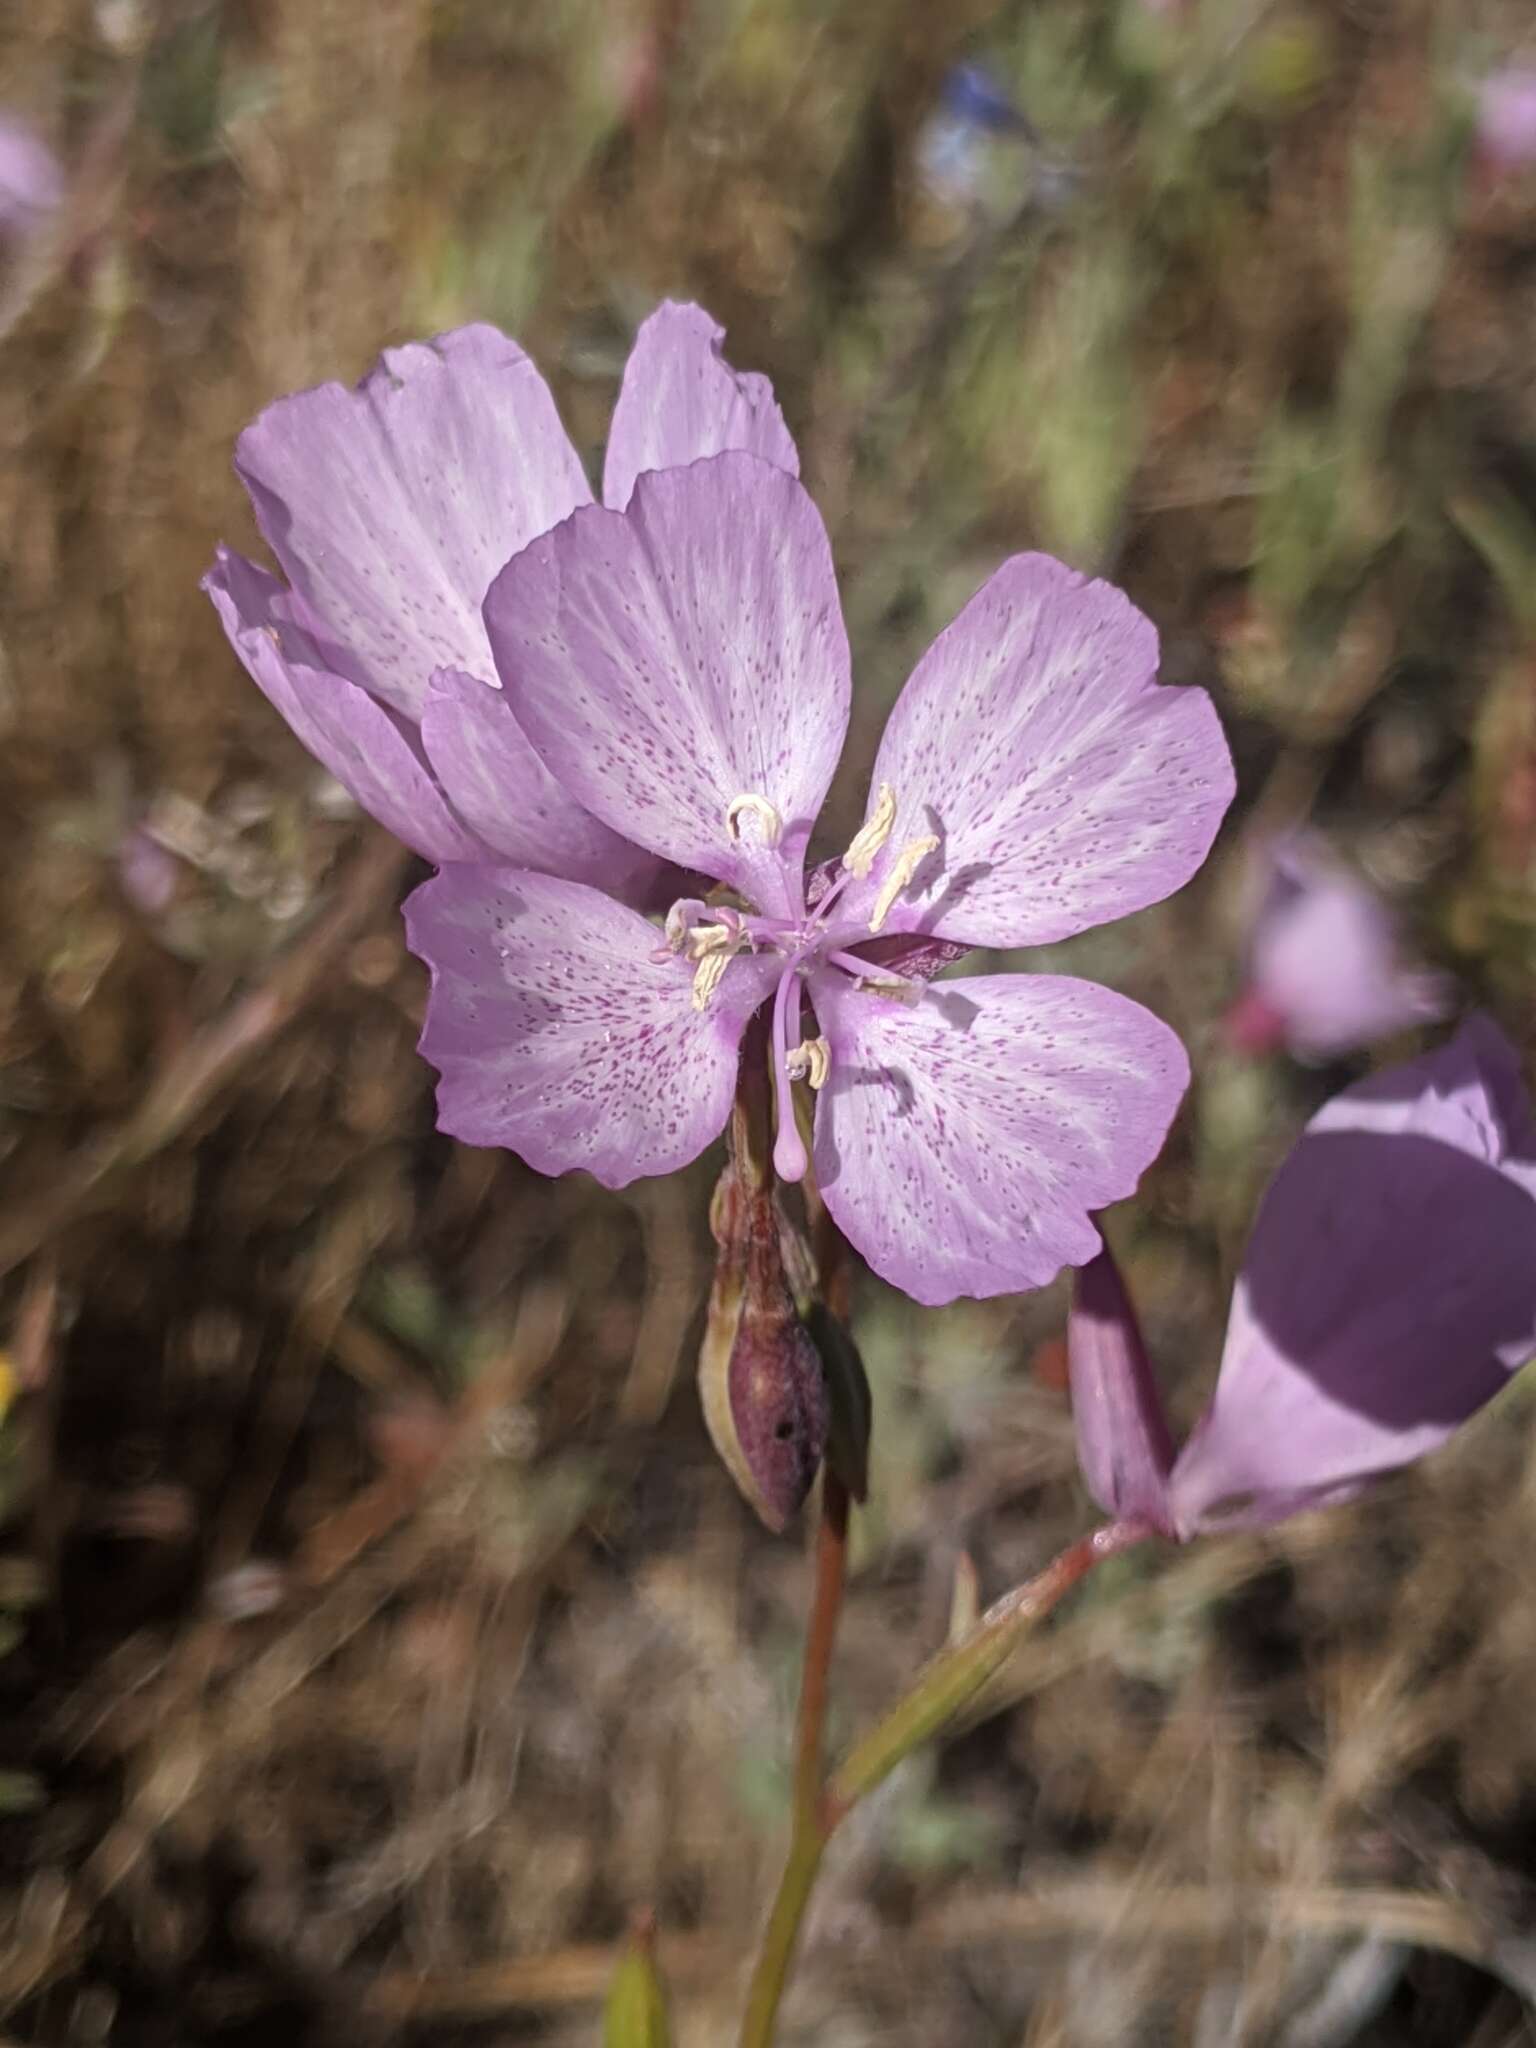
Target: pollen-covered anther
[(811, 1061), (872, 834), (896, 988), (682, 920), (750, 805), (907, 863), (708, 975), (704, 939)]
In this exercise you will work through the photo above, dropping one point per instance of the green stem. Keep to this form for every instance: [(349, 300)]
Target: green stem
[(937, 1695), (808, 1838), (801, 1868)]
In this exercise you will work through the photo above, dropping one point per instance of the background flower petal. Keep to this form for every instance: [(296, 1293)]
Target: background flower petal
[(1124, 1445), (1325, 963), (669, 659), (1389, 1290), (961, 1141), (557, 1032), (501, 787), (390, 507), (1066, 786), (369, 750), (680, 400), (1468, 1092)]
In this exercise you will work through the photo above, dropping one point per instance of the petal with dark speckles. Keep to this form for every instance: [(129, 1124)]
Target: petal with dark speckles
[(962, 1141), (557, 1033)]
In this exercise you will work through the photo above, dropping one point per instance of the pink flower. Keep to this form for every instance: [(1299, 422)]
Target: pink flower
[(389, 509), (681, 669), (1325, 970), (31, 182), (1388, 1292), (1506, 118)]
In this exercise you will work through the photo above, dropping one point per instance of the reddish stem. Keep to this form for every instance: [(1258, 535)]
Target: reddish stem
[(820, 1634)]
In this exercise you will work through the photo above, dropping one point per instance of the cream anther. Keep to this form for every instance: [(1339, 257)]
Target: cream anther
[(757, 807), (908, 861), (811, 1061), (702, 940), (709, 974), (872, 834)]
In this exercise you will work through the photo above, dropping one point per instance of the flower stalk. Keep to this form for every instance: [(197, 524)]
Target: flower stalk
[(945, 1686)]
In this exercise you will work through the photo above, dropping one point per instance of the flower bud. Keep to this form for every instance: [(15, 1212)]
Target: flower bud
[(1123, 1442), (761, 1378)]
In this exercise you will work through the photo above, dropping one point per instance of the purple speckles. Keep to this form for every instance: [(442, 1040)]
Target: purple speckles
[(681, 670), (389, 509)]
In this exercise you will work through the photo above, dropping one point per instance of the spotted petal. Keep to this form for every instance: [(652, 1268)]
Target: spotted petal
[(1063, 784), (370, 751), (668, 660), (390, 507), (558, 1032), (499, 784), (962, 1141), (680, 401)]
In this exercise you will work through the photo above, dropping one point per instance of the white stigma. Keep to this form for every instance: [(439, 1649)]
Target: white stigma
[(811, 1061), (872, 834), (908, 861), (753, 806)]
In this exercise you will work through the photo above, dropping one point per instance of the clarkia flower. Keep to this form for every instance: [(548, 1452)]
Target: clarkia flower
[(31, 181), (681, 669), (1505, 131), (1326, 968), (1388, 1293), (389, 509)]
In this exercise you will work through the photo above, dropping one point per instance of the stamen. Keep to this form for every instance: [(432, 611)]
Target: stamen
[(872, 834), (878, 981), (708, 976), (789, 1160), (681, 918), (757, 807), (908, 861), (705, 939), (810, 1060)]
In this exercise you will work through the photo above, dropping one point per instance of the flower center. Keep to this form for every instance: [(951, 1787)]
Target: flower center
[(712, 933)]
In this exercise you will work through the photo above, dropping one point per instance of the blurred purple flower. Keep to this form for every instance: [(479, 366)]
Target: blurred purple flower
[(682, 669), (389, 509), (146, 870), (1325, 973), (1506, 118), (1388, 1292), (954, 143), (31, 182)]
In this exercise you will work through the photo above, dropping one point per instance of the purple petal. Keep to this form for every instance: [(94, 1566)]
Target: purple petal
[(1064, 784), (391, 507), (1389, 1289), (1123, 1441), (1506, 117), (668, 660), (1468, 1093), (501, 787), (961, 1141), (370, 751), (1324, 962), (31, 181), (681, 401), (558, 1032)]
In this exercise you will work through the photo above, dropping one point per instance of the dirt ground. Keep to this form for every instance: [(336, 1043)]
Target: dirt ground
[(377, 1629)]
